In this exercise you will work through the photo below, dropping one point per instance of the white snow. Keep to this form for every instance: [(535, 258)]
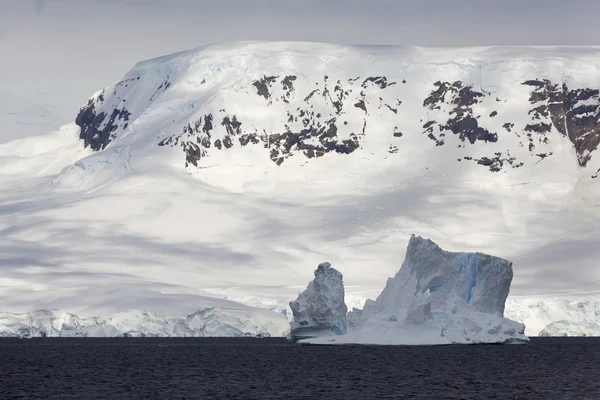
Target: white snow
[(438, 297), (129, 228), (320, 309)]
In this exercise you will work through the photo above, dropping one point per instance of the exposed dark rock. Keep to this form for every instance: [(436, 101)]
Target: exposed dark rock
[(163, 87), (311, 94), (539, 112), (538, 128), (247, 138), (288, 86), (263, 85), (394, 110), (288, 83), (508, 126), (578, 122), (463, 122), (543, 155), (493, 114), (193, 153), (361, 104), (208, 126), (232, 126), (467, 127), (380, 81), (96, 129), (496, 163)]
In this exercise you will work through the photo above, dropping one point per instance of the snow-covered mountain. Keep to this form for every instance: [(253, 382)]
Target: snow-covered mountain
[(230, 170)]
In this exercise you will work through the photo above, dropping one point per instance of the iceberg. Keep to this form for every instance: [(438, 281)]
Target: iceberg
[(320, 310), (437, 297)]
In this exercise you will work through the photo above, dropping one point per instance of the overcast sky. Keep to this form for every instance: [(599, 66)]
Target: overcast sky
[(56, 53)]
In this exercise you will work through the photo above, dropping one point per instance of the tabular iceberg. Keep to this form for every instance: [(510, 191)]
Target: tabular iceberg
[(438, 297), (320, 310)]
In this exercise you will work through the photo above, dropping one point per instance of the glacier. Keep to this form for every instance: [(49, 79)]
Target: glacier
[(570, 328), (223, 168), (320, 309), (438, 297), (556, 316), (208, 322)]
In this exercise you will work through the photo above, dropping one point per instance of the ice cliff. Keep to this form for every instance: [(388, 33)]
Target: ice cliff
[(320, 310), (548, 316), (571, 328), (207, 322), (438, 297)]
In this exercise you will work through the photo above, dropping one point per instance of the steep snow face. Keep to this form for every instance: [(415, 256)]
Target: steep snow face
[(300, 152), (209, 322), (320, 309), (445, 297)]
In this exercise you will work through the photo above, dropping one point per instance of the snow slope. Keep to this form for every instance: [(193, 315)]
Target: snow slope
[(219, 171)]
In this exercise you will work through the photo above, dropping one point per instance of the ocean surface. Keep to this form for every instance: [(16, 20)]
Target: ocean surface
[(547, 368)]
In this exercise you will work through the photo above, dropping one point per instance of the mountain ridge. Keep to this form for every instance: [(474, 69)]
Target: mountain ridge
[(300, 125)]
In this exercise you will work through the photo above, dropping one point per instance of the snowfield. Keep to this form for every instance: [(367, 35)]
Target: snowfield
[(230, 171)]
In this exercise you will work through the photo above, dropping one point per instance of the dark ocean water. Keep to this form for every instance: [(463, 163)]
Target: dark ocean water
[(547, 368)]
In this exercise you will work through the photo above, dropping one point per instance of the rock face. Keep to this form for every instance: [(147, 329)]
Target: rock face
[(440, 297), (320, 310)]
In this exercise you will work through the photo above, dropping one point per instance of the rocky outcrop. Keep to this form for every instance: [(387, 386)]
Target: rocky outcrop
[(284, 110), (572, 112)]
